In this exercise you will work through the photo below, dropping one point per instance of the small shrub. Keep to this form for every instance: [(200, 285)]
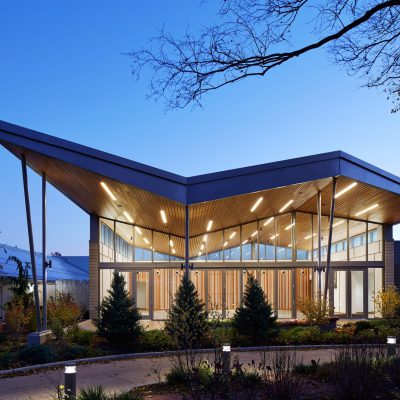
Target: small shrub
[(20, 319), (63, 315), (83, 338), (119, 318), (176, 376), (314, 309), (301, 335), (134, 395), (279, 380), (75, 351), (36, 355), (357, 373), (222, 334), (254, 318), (306, 369), (387, 302), (92, 393), (362, 325), (156, 340)]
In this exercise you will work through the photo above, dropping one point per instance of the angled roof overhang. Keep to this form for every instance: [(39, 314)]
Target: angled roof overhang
[(77, 170)]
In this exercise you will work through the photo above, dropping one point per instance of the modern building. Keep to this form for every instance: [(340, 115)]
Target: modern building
[(288, 223)]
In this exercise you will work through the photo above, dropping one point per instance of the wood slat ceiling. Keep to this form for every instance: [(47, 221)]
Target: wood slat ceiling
[(83, 187), (236, 210), (358, 199)]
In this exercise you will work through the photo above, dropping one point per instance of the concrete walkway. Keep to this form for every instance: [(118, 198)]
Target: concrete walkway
[(115, 376)]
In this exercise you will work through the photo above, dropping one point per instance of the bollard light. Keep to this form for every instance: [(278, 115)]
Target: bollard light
[(226, 358), (70, 369), (70, 381), (391, 340), (391, 346)]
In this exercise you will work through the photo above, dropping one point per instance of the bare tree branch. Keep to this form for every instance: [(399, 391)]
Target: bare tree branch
[(363, 36)]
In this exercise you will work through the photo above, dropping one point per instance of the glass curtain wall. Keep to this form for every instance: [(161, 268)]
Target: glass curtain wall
[(270, 239), (266, 238)]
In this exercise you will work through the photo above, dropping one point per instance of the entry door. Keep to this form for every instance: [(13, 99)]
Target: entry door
[(142, 286), (348, 289), (357, 294), (340, 293)]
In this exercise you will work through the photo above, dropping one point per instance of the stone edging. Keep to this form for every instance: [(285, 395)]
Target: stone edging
[(92, 360)]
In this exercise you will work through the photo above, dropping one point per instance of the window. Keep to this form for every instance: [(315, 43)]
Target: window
[(106, 235), (357, 241), (373, 236)]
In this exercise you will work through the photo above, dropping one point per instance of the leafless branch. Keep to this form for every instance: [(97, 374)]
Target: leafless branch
[(363, 36)]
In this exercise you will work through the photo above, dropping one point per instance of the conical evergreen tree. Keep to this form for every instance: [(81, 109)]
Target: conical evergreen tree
[(119, 318), (187, 318), (254, 319)]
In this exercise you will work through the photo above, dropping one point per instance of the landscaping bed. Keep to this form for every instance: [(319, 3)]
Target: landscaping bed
[(84, 344), (357, 372)]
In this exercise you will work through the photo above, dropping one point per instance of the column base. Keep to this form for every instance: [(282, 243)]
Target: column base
[(38, 338)]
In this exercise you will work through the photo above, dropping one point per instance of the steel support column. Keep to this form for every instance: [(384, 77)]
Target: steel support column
[(31, 244), (44, 260), (329, 250), (187, 241), (319, 267)]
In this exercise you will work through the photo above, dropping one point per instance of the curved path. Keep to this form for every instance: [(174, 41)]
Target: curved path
[(116, 375)]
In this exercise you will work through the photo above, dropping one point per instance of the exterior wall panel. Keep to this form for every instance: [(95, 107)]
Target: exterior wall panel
[(397, 263), (93, 279)]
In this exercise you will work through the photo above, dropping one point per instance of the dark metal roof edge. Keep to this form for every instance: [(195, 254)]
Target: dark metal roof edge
[(87, 151), (249, 170), (187, 182), (369, 167)]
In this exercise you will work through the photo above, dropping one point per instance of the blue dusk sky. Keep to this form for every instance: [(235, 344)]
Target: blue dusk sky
[(63, 71)]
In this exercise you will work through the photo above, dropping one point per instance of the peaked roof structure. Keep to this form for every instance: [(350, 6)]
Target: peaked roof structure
[(142, 190)]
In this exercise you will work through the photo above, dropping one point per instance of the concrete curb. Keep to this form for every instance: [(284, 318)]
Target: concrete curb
[(116, 357)]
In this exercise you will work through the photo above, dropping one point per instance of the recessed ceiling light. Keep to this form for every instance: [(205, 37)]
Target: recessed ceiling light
[(345, 190), (128, 217), (289, 226), (232, 235), (209, 225), (367, 209), (337, 223), (268, 221), (146, 240), (289, 245), (310, 236), (171, 243), (244, 241), (256, 204), (163, 216), (225, 244), (173, 251), (199, 253), (274, 236), (286, 205), (138, 230), (205, 238), (202, 247), (109, 192), (254, 233)]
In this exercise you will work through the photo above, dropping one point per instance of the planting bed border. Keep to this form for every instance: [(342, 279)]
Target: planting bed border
[(116, 357)]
